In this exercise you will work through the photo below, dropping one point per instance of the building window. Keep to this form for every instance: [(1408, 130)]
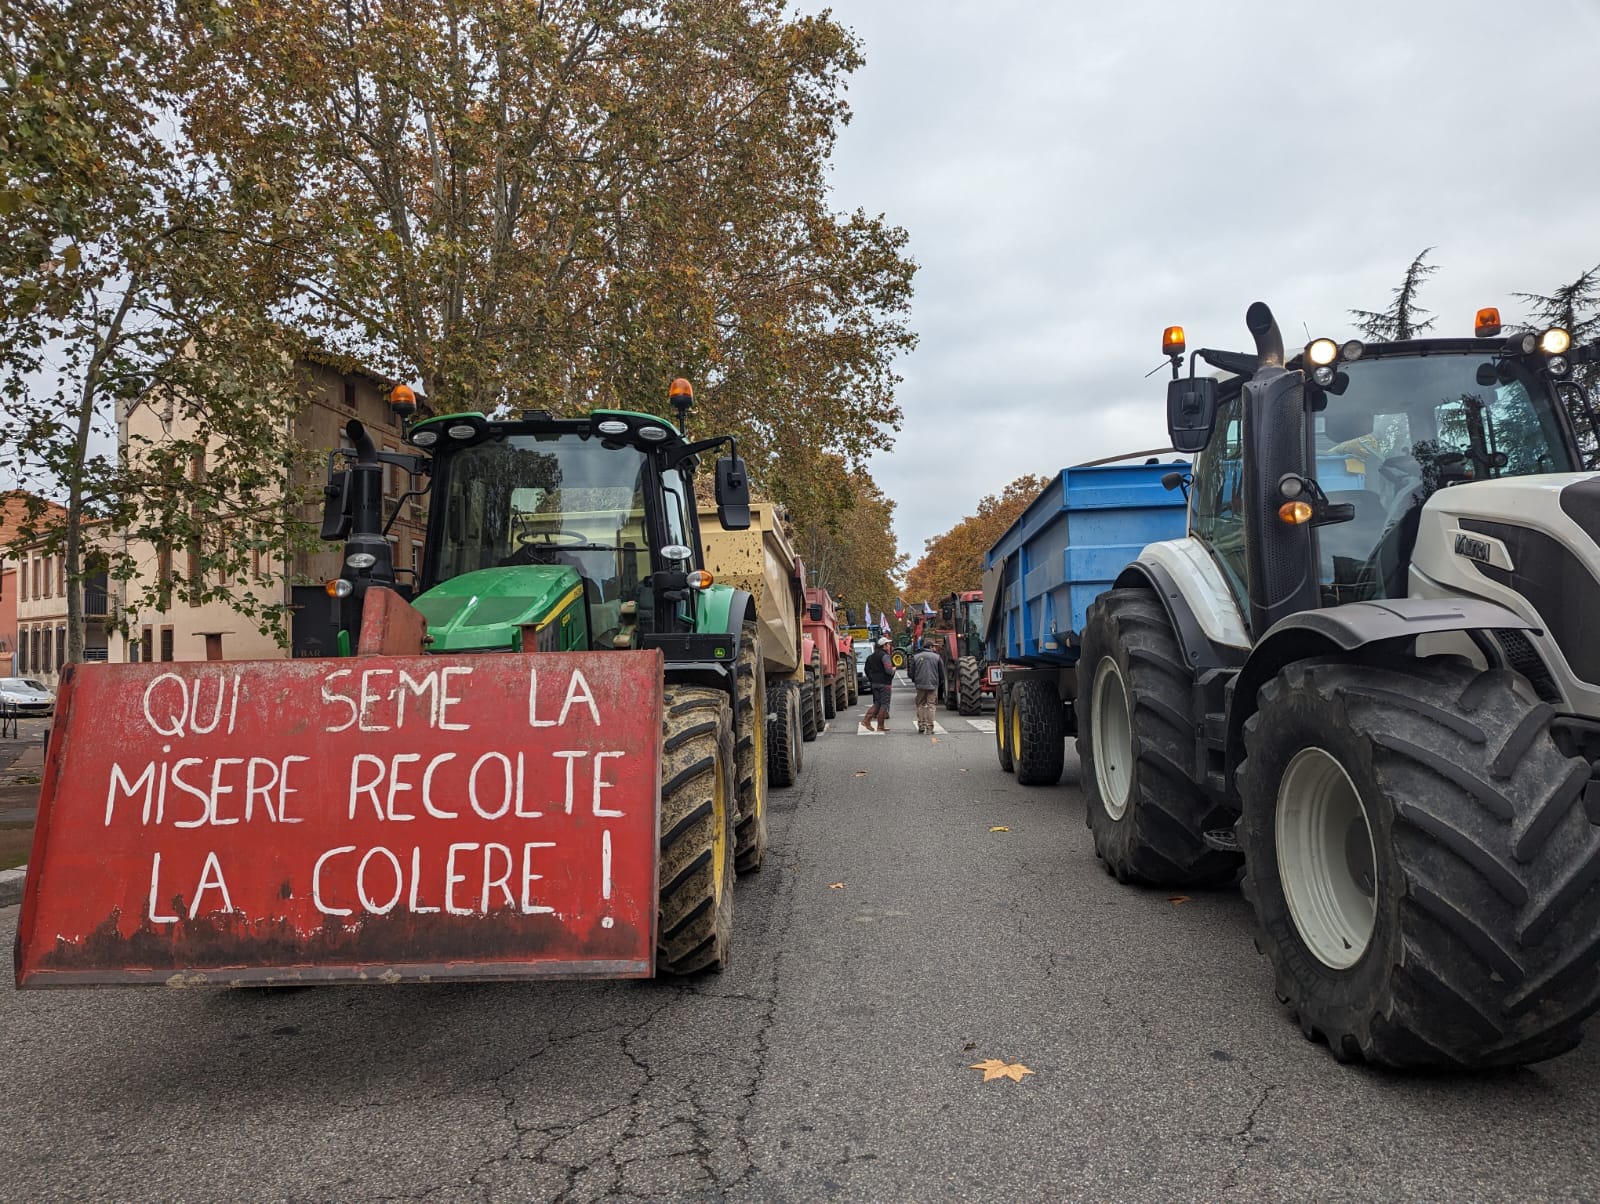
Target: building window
[(166, 643), (61, 648), (22, 650), (147, 646), (164, 578), (38, 576), (22, 579), (61, 575), (350, 394)]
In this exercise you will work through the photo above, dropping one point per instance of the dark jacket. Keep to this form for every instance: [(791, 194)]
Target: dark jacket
[(880, 669), (927, 670)]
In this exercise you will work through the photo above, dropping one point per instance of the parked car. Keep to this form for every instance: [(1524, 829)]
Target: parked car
[(863, 649), (25, 696)]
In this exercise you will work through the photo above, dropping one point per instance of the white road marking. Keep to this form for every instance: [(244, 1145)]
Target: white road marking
[(938, 729), (982, 725)]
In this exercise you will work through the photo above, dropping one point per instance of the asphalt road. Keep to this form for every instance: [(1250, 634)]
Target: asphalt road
[(831, 1062)]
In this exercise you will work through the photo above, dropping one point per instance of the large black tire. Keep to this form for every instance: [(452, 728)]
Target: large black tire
[(949, 687), (841, 693), (1039, 732), (852, 693), (698, 805), (810, 708), (829, 698), (1480, 945), (969, 686), (750, 754), (1002, 734), (1155, 831), (783, 751)]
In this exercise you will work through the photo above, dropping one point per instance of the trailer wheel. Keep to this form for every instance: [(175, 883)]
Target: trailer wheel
[(1002, 717), (698, 804), (783, 754), (1136, 744), (969, 685), (1038, 730), (1422, 872), (810, 708), (750, 754)]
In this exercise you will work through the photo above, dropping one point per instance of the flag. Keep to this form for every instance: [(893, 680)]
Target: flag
[(899, 608), (866, 616), (926, 609)]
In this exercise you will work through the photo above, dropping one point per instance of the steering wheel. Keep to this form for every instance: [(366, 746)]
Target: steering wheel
[(1395, 473), (551, 539)]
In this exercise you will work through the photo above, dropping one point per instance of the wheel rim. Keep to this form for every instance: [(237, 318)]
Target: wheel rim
[(758, 735), (1112, 733), (1016, 731), (1326, 858), (719, 837), (1000, 729)]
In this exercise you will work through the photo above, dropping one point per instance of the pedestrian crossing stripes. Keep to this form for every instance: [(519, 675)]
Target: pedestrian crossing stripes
[(939, 729)]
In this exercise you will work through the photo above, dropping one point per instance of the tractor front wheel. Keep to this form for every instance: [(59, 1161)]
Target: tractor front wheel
[(750, 754), (969, 686), (698, 805), (1136, 745), (1420, 865)]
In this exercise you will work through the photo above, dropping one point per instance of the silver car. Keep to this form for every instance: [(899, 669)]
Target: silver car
[(25, 696)]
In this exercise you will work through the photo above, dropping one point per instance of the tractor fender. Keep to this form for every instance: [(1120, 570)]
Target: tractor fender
[(1195, 625), (1341, 630), (719, 610)]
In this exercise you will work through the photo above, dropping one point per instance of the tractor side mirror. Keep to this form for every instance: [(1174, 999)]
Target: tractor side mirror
[(1191, 412), (814, 610), (337, 512), (733, 494)]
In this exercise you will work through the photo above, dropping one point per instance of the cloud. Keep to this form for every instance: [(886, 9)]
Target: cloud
[(1076, 177)]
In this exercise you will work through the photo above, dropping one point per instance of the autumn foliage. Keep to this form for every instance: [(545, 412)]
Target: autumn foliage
[(954, 561)]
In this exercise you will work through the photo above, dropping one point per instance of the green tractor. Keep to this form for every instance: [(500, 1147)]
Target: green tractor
[(553, 534)]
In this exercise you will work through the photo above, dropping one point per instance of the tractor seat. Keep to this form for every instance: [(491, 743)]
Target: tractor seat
[(1343, 548)]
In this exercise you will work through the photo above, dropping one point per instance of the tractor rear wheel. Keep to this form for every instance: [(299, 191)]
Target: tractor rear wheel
[(1136, 745), (810, 708), (1038, 731), (969, 686), (1002, 718), (841, 694), (829, 698), (1422, 871), (783, 754), (750, 754), (698, 805), (852, 693)]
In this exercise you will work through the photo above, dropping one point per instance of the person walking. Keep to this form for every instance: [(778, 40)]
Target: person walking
[(880, 677), (927, 674)]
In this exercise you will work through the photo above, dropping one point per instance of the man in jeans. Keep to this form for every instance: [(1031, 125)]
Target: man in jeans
[(927, 674), (880, 677)]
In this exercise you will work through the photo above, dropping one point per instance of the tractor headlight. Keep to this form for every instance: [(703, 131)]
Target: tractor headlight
[(612, 426), (1557, 365), (653, 433), (1322, 351), (461, 430), (1323, 375), (361, 560), (425, 438), (1555, 341)]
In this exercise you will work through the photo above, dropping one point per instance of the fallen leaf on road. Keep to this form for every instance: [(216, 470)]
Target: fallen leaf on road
[(994, 1068), (933, 739), (836, 886), (1000, 828), (966, 771), (1178, 899), (861, 773)]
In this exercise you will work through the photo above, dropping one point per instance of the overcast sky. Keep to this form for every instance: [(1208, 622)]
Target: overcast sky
[(1075, 177)]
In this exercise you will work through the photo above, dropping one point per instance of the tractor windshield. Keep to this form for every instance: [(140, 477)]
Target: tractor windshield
[(1395, 429), (974, 611), (548, 499)]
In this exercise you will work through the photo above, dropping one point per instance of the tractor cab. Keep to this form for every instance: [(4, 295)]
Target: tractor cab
[(579, 533), (1334, 459)]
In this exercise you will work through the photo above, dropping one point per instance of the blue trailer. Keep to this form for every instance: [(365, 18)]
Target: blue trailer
[(1067, 547)]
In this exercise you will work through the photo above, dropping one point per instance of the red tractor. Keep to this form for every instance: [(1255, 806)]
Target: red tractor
[(820, 652), (956, 634)]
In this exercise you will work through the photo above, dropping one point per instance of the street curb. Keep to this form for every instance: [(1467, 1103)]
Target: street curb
[(11, 886)]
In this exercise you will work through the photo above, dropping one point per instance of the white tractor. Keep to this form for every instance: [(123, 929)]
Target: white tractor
[(1364, 677)]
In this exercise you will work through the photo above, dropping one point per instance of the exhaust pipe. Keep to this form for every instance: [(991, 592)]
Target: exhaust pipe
[(1269, 342)]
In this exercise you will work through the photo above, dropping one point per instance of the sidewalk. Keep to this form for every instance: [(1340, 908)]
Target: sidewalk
[(21, 764)]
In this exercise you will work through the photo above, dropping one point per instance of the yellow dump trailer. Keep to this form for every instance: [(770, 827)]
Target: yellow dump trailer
[(763, 561)]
